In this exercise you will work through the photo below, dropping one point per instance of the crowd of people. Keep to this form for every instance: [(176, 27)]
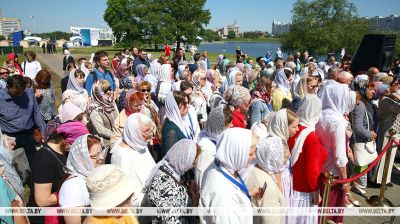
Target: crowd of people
[(169, 132)]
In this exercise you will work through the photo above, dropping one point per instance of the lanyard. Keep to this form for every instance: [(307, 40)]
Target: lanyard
[(191, 134), (241, 185)]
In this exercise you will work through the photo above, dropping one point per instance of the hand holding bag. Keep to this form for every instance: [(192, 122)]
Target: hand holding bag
[(364, 153)]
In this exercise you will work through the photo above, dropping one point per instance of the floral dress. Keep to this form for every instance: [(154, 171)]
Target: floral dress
[(166, 191)]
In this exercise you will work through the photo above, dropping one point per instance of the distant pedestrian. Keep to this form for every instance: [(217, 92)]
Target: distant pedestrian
[(167, 50), (49, 45), (67, 60), (44, 48), (53, 49)]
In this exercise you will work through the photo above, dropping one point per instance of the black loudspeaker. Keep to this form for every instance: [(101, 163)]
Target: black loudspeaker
[(375, 50)]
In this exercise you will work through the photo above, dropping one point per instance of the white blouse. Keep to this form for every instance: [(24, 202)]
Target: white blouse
[(137, 165)]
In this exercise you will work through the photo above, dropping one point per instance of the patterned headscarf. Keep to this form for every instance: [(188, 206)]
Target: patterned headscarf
[(270, 154), (141, 72), (79, 162), (127, 83), (211, 77), (6, 160), (261, 93), (178, 159), (103, 102), (215, 123), (239, 96), (282, 81)]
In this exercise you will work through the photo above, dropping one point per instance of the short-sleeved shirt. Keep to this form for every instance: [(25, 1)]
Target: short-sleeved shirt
[(73, 193), (7, 195), (45, 169)]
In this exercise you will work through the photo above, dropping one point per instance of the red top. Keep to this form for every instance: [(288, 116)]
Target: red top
[(308, 167), (238, 119), (167, 50)]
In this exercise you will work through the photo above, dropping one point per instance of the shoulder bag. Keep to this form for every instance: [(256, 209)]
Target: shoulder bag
[(364, 152)]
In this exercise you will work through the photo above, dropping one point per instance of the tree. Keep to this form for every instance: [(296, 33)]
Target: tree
[(142, 22), (2, 37), (321, 25), (56, 35), (210, 35), (231, 34)]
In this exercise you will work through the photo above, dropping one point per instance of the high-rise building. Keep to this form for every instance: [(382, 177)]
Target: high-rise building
[(8, 25)]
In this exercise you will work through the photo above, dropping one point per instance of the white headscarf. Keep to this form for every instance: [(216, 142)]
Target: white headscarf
[(84, 70), (165, 73), (270, 155), (233, 149), (278, 125), (336, 99), (309, 112), (282, 81), (173, 114), (155, 68), (179, 159), (73, 83), (79, 162), (132, 134)]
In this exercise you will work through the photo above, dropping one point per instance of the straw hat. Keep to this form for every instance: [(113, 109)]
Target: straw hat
[(108, 186)]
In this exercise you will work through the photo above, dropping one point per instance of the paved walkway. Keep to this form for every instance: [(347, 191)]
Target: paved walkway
[(54, 61)]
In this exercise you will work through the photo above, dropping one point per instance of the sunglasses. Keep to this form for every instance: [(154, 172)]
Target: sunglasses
[(2, 73), (145, 90)]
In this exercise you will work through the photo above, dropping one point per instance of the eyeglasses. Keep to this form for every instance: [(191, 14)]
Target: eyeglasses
[(145, 90), (102, 152), (314, 86)]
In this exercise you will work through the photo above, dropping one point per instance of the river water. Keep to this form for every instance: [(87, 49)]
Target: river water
[(254, 49)]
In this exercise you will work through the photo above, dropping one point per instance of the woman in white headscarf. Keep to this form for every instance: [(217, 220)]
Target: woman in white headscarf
[(306, 85), (130, 153), (164, 87), (222, 186), (152, 77), (337, 101), (307, 158), (166, 187), (76, 81), (270, 159), (219, 119), (174, 127), (85, 154), (281, 97), (284, 124)]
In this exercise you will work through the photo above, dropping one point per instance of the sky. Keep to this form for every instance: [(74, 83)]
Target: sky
[(57, 15)]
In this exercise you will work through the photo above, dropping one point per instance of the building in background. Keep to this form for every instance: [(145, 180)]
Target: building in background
[(223, 32), (8, 25), (92, 36), (390, 23), (279, 28)]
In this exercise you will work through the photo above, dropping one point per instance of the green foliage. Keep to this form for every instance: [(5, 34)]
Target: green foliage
[(321, 25), (153, 22), (210, 35), (253, 34), (56, 35), (2, 37), (231, 34)]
